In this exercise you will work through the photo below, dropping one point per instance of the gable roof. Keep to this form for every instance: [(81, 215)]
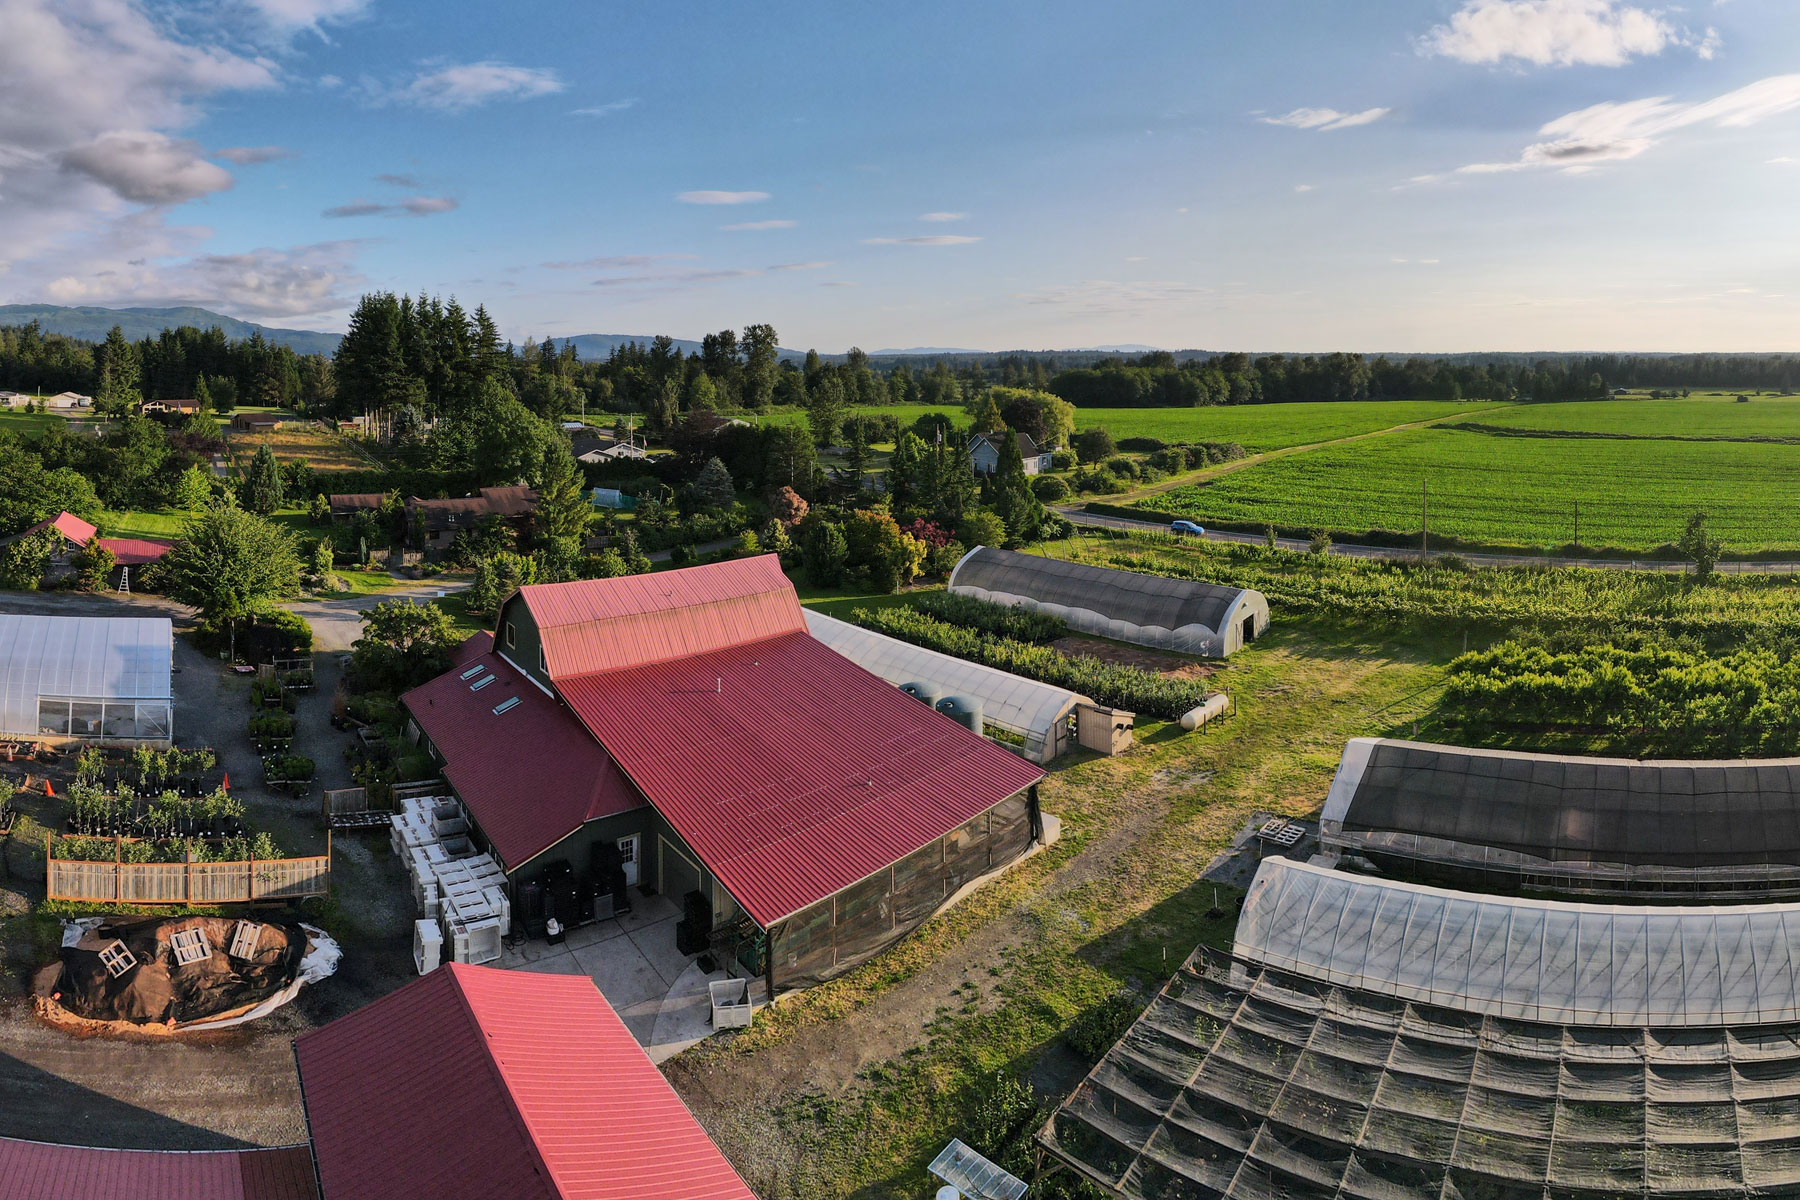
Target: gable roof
[(510, 501), (524, 803), (1027, 447), (345, 502), (791, 771), (609, 624), (135, 552), (42, 1171), (473, 1083), (67, 524)]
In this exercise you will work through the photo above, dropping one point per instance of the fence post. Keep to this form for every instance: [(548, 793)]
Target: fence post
[(187, 878), (118, 870), (250, 878), (48, 891)]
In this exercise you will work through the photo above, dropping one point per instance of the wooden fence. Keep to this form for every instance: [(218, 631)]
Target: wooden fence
[(350, 808), (120, 882)]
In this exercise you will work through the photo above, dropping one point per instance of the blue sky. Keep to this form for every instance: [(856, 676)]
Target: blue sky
[(1285, 174)]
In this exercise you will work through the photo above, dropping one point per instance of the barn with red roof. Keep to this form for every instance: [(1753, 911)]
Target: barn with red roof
[(687, 724), (473, 1083), (77, 533)]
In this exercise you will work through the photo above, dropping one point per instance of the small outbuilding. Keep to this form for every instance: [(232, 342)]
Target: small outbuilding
[(1184, 615), (257, 422), (101, 679)]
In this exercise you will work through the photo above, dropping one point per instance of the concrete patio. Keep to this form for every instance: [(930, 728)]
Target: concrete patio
[(659, 993)]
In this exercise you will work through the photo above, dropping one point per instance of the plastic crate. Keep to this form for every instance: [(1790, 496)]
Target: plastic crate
[(428, 946)]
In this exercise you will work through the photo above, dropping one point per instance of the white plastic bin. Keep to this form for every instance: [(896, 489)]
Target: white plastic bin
[(428, 946)]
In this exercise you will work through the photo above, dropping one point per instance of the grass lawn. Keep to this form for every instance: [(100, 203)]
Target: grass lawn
[(1259, 427), (1516, 491), (1702, 415), (163, 524), (26, 425)]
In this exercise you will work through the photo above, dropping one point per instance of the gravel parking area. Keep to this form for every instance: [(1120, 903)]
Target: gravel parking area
[(231, 1088)]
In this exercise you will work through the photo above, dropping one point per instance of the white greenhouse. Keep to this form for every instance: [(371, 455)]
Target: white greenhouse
[(1037, 713), (1529, 960), (1183, 615), (88, 678)]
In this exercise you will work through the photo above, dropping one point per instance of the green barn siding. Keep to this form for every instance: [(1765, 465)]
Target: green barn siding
[(526, 652), (575, 848)]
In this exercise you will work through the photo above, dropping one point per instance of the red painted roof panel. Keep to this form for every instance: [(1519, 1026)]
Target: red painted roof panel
[(524, 803), (791, 771), (40, 1171), (135, 552), (67, 524), (613, 624), (474, 1083)]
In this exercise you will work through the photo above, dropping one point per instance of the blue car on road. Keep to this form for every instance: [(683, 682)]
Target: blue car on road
[(1186, 527)]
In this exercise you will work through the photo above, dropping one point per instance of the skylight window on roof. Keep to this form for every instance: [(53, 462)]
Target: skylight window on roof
[(481, 683), (473, 671), (505, 705)]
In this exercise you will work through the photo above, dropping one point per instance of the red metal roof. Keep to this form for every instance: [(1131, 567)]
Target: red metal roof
[(67, 524), (474, 1083), (610, 624), (791, 771), (135, 552), (524, 802), (40, 1171)]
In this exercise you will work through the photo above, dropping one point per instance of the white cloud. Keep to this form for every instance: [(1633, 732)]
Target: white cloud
[(936, 239), (291, 16), (412, 206), (944, 216), (249, 156), (146, 167), (603, 110), (1306, 187), (744, 225), (616, 262), (399, 181), (465, 85), (801, 266), (1109, 297), (297, 282), (1325, 120), (1563, 33), (705, 197), (1615, 131), (1785, 160)]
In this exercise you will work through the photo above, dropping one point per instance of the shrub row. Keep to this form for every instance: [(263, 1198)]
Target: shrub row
[(1106, 683), (1000, 620)]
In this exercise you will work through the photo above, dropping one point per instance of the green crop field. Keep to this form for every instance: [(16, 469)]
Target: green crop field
[(1260, 427), (1517, 491), (1715, 416)]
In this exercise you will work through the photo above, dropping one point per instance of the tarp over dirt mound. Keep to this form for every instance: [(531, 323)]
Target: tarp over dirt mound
[(146, 971)]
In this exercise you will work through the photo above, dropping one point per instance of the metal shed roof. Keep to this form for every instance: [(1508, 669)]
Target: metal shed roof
[(1534, 960), (42, 1171), (609, 624), (1022, 706), (790, 770), (1149, 601), (473, 1083)]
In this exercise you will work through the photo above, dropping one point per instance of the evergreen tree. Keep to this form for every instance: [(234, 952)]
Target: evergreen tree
[(825, 407), (1013, 498), (262, 482), (203, 394), (985, 412), (562, 511), (713, 487), (193, 490), (119, 372)]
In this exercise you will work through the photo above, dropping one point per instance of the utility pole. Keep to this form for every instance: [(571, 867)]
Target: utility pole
[(1424, 522)]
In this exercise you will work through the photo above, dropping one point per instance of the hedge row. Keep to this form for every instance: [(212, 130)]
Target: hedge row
[(1000, 620), (1109, 684)]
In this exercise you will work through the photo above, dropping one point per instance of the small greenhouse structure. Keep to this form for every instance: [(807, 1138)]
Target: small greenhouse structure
[(89, 678), (1508, 820), (1184, 615), (1038, 714)]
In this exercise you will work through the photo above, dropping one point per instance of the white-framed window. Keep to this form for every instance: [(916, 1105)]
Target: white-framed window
[(512, 639), (543, 666)]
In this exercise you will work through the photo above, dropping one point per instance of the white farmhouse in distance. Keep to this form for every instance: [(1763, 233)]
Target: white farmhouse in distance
[(984, 453)]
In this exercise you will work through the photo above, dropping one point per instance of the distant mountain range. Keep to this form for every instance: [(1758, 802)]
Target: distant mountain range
[(93, 324)]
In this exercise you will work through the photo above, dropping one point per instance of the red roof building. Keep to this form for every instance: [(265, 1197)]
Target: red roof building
[(40, 1171), (474, 1083), (481, 717), (69, 525), (806, 799), (77, 533)]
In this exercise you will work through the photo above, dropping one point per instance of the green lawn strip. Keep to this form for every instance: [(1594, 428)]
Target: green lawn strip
[(1301, 694)]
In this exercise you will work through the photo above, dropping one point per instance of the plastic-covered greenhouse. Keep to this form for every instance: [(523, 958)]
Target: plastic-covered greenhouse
[(1544, 822), (1149, 610), (1036, 713), (99, 678), (1332, 1058)]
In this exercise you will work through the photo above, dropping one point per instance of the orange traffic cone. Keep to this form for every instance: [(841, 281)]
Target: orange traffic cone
[(226, 786), (48, 790)]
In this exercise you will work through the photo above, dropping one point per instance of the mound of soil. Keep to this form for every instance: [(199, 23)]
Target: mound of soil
[(156, 990)]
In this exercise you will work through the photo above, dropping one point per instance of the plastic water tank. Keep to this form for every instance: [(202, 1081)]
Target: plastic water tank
[(924, 693), (962, 709)]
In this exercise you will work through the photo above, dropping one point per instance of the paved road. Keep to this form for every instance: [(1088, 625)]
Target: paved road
[(1398, 554), (337, 623)]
